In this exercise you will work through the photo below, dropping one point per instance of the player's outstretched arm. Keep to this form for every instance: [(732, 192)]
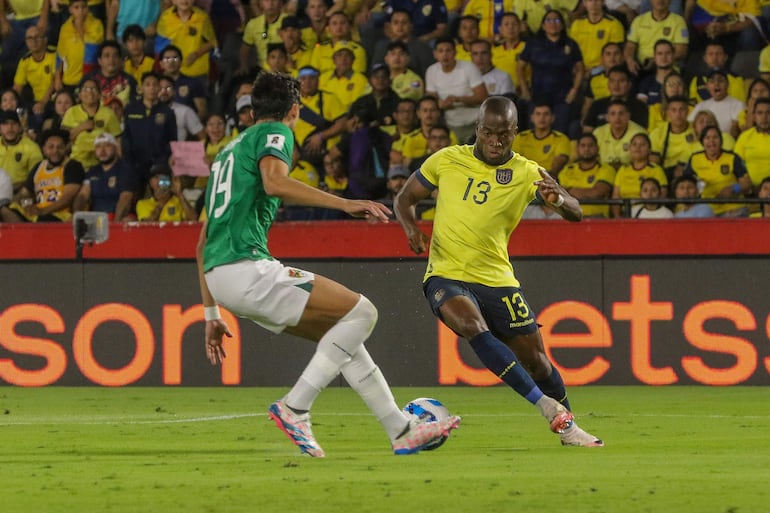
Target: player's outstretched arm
[(557, 198), (404, 206), (216, 328), (276, 181)]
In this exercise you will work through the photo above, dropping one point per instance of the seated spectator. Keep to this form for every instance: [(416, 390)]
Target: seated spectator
[(489, 19), (62, 101), (416, 144), (188, 125), (639, 168), (108, 186), (673, 86), (543, 144), (335, 175), (650, 87), (109, 76), (36, 70), (715, 58), (190, 29), (429, 18), (506, 53), (405, 121), (758, 89), (587, 178), (405, 82), (725, 107), (18, 153), (190, 91), (598, 83), (674, 141), (16, 18), (399, 30), (316, 19), (382, 100), (167, 203), (397, 176), (497, 81), (439, 137), (651, 190), (686, 187), (720, 174), (620, 89), (244, 118), (261, 31), (137, 62), (753, 145), (10, 100), (763, 192), (648, 28), (594, 30), (277, 59), (458, 86), (78, 40), (339, 36), (467, 33), (51, 186), (215, 136), (735, 25), (615, 136), (321, 118), (705, 118), (297, 53), (343, 81), (86, 120), (532, 12)]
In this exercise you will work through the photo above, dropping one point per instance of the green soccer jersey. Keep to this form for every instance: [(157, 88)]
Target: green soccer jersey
[(239, 210)]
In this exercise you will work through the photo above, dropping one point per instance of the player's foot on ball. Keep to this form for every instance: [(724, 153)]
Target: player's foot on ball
[(574, 435), (420, 435), (557, 415), (297, 428)]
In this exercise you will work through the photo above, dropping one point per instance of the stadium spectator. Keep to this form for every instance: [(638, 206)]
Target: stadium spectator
[(36, 70), (490, 16), (631, 175), (167, 203), (51, 185), (321, 119), (720, 174), (650, 88), (188, 28), (108, 186), (725, 107), (736, 25), (651, 189), (532, 12), (317, 29), (14, 32), (137, 62), (673, 86), (399, 29), (587, 178), (705, 118), (297, 53), (429, 17), (189, 90), (62, 101), (467, 33), (188, 124), (546, 146), (405, 120), (758, 89), (648, 28), (405, 82), (339, 36), (112, 81), (150, 128), (439, 137), (497, 81), (18, 153), (620, 89), (77, 45), (86, 120), (335, 174), (686, 187), (674, 141), (382, 101), (260, 31), (753, 145), (763, 192), (715, 58), (397, 175), (216, 136), (557, 70), (593, 31), (458, 86), (244, 118), (615, 136), (123, 14), (506, 53), (598, 82), (429, 115), (344, 81), (277, 59)]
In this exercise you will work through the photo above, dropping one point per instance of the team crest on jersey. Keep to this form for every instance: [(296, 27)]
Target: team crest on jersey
[(426, 10), (724, 169), (599, 34), (625, 146), (171, 210), (160, 118), (47, 69), (17, 156), (112, 182), (275, 141), (546, 148), (666, 31), (439, 294), (689, 138), (567, 50), (295, 273), (184, 91), (350, 86), (504, 176), (99, 123), (591, 179), (192, 31)]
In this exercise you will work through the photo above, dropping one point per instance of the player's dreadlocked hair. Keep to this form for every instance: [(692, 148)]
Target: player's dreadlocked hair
[(273, 95)]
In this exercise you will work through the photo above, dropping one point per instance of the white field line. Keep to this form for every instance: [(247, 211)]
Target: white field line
[(127, 420)]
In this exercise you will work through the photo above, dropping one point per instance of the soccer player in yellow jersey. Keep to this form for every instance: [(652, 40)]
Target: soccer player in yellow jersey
[(470, 284), (543, 144)]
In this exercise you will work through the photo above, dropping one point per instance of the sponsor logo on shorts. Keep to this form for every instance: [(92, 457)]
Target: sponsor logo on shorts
[(295, 273), (439, 294)]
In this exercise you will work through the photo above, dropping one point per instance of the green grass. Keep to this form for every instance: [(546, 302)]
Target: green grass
[(677, 450)]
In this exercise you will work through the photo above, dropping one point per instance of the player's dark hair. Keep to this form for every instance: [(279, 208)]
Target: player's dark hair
[(134, 30), (273, 96), (109, 43)]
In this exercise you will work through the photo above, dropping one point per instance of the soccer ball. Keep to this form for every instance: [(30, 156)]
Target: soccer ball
[(426, 409)]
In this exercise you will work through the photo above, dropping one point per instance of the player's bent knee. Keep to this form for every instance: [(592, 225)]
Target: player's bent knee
[(366, 312)]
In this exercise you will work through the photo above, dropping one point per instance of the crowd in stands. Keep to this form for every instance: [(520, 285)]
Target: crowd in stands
[(105, 103)]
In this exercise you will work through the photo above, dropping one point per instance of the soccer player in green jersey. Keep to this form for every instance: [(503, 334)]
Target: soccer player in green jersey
[(470, 285), (248, 180)]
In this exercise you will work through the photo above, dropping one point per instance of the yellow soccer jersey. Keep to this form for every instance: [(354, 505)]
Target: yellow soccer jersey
[(736, 87), (614, 151), (299, 59), (532, 12), (629, 179), (310, 39), (575, 176), (677, 147), (764, 60), (645, 32), (172, 210), (477, 208), (37, 74), (754, 148), (599, 85), (347, 88), (408, 85), (79, 55), (461, 54), (259, 34), (147, 64), (722, 8), (83, 145), (26, 9), (544, 150), (716, 175), (591, 37), (485, 11), (506, 59), (416, 145), (306, 173), (188, 36), (324, 103), (322, 56), (18, 159)]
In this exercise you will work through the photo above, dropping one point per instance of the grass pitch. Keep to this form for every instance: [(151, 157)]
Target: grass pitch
[(670, 450)]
